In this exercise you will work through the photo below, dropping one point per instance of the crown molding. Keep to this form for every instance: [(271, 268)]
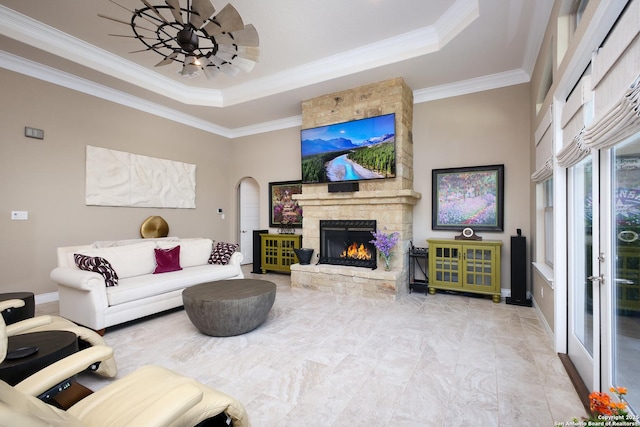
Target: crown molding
[(41, 72), (539, 24), (455, 19), (464, 87), (286, 123)]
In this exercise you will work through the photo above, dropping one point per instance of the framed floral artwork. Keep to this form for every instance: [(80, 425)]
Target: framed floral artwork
[(468, 197), (284, 211)]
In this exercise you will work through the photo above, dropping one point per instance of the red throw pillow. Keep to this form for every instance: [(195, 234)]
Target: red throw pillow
[(167, 260)]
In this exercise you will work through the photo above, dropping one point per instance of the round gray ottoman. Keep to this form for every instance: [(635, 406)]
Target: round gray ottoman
[(229, 307)]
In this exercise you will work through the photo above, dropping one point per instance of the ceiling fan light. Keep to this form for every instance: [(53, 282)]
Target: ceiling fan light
[(190, 70)]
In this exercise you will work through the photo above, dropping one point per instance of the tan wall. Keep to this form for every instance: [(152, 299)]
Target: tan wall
[(268, 157), (484, 128), (544, 297), (46, 178)]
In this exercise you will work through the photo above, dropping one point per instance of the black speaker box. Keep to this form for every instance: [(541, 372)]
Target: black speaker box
[(343, 187), (519, 272), (257, 250)]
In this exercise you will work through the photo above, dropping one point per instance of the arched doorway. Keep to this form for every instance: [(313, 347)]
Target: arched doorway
[(248, 216)]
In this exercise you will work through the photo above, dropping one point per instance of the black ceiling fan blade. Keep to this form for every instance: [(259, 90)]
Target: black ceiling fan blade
[(211, 72), (124, 7), (250, 53), (114, 19), (133, 12), (131, 37), (174, 5), (167, 60), (195, 20), (229, 69), (141, 50), (243, 64), (203, 10), (227, 20), (246, 37), (154, 10), (128, 24), (150, 47)]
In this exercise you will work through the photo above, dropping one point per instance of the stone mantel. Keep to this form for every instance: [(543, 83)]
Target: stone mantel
[(403, 197)]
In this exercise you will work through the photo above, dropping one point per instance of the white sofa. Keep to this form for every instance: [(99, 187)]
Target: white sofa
[(85, 299)]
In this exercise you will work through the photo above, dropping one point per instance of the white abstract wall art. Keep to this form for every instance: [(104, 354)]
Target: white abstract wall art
[(117, 178)]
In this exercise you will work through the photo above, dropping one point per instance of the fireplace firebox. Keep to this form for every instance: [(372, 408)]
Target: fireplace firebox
[(347, 242)]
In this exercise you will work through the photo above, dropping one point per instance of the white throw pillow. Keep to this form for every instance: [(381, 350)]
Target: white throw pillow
[(128, 261)]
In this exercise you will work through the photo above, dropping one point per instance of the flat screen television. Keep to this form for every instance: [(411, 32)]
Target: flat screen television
[(351, 151)]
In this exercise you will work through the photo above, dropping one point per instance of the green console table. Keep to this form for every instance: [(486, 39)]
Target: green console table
[(465, 266)]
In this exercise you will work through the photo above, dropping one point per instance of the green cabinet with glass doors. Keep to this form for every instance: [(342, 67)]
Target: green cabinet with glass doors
[(277, 251), (465, 266)]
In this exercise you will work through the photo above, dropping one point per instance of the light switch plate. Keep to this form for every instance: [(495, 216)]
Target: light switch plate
[(19, 215)]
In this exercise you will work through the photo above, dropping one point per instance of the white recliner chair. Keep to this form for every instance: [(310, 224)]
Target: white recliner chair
[(151, 396)]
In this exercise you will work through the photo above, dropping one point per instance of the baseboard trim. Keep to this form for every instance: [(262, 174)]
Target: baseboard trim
[(576, 380), (44, 298)]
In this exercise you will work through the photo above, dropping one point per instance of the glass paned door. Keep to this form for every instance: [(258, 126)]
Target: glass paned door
[(625, 246), (583, 262)]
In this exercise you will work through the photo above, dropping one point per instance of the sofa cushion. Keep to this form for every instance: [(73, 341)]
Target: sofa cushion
[(97, 265), (128, 261), (193, 252), (143, 287), (222, 252), (112, 243), (167, 260)]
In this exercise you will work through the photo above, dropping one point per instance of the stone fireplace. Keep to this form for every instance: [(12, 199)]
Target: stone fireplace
[(386, 202), (347, 242)]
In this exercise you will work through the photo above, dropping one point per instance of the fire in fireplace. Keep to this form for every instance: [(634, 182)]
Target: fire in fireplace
[(347, 242)]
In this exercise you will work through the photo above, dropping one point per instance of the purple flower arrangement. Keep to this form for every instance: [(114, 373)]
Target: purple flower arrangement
[(384, 242)]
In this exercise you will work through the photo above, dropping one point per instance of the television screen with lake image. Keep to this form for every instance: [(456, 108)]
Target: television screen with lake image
[(350, 151)]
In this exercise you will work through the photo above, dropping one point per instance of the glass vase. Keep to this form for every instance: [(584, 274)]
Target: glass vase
[(387, 260)]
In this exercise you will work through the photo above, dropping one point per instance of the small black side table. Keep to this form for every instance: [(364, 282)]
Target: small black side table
[(418, 262), (13, 315), (52, 346)]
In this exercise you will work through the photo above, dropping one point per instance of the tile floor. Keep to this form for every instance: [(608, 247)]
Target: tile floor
[(333, 360)]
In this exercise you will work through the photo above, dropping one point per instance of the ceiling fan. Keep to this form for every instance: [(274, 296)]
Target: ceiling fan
[(196, 36)]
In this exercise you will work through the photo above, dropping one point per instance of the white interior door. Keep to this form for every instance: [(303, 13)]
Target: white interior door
[(249, 210)]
